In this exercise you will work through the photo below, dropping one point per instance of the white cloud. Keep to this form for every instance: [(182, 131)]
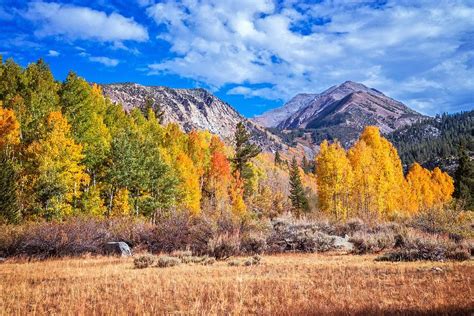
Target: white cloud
[(53, 53), (416, 51), (75, 22), (106, 61)]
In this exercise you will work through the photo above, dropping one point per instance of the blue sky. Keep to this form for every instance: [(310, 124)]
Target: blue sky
[(255, 54)]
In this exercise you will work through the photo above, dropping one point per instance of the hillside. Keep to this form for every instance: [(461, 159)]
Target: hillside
[(191, 109), (435, 141)]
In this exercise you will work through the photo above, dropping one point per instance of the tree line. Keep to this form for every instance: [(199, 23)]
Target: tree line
[(66, 150)]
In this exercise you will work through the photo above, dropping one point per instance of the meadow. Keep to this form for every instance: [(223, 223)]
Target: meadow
[(286, 284)]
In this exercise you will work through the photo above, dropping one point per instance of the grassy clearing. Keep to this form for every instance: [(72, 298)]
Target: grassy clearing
[(283, 284)]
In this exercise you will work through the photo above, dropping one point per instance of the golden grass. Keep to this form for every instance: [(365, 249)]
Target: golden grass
[(281, 285)]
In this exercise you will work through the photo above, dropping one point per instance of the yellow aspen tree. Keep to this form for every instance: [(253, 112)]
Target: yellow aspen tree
[(120, 204), (190, 185), (92, 203), (239, 209), (378, 175), (9, 128), (443, 185), (421, 188), (57, 173), (334, 177)]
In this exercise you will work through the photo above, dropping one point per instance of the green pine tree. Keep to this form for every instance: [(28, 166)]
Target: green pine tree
[(278, 160), (298, 197), (464, 180), (244, 150)]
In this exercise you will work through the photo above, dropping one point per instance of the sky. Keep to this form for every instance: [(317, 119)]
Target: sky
[(255, 54)]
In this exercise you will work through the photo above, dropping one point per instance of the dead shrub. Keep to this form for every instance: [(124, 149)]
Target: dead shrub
[(224, 246), (298, 236), (421, 246), (181, 231), (144, 261), (372, 242), (253, 244), (167, 261)]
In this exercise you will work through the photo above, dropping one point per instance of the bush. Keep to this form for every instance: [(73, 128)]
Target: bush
[(182, 231), (181, 254), (417, 246), (144, 261), (299, 236), (224, 246), (253, 244), (167, 261), (371, 243), (252, 261)]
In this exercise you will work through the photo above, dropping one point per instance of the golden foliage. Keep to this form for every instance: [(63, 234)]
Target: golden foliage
[(9, 128)]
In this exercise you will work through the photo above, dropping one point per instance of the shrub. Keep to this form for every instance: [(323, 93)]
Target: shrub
[(144, 261), (167, 261), (417, 246), (252, 261), (208, 261), (181, 254), (224, 246), (181, 231), (372, 243), (253, 244), (298, 236)]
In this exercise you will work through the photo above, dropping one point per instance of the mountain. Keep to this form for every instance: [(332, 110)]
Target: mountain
[(191, 109), (341, 112), (273, 117), (436, 141)]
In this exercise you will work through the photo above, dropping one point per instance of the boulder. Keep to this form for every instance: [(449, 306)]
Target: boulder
[(343, 243), (118, 248)]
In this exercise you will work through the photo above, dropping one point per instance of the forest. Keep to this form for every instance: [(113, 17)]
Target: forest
[(68, 151)]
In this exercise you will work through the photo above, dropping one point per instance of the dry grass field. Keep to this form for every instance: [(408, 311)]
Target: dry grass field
[(282, 285)]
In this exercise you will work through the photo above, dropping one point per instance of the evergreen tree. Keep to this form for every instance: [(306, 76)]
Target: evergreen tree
[(278, 160), (298, 197), (464, 180), (150, 105), (244, 150)]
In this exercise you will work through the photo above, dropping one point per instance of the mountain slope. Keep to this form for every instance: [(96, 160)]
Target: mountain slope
[(274, 117), (343, 111), (436, 141), (191, 109)]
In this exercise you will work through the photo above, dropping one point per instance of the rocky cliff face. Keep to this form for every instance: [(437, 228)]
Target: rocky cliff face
[(191, 109)]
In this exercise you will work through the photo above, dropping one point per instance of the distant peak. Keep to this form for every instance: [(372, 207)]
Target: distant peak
[(353, 85)]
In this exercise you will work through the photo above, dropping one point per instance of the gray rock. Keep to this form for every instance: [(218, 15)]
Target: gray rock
[(343, 243), (2, 260), (118, 248)]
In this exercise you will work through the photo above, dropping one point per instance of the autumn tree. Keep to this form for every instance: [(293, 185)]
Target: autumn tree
[(84, 108), (9, 208), (9, 128), (378, 175), (36, 98), (9, 137), (219, 177), (56, 173), (335, 180), (298, 197)]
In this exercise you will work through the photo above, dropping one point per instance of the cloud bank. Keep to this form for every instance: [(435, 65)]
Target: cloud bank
[(420, 52), (74, 22)]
